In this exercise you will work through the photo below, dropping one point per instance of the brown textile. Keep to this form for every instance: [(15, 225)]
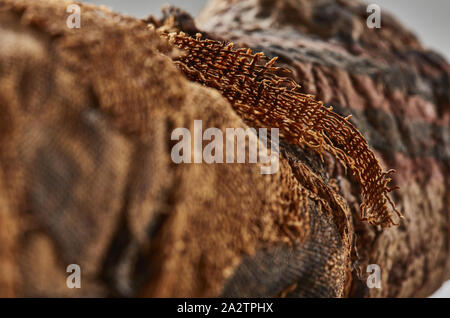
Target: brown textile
[(398, 94), (86, 175)]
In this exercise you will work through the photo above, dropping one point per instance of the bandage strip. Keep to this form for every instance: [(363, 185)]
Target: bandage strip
[(264, 99)]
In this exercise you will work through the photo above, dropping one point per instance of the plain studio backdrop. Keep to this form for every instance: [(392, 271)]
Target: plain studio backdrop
[(428, 19)]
